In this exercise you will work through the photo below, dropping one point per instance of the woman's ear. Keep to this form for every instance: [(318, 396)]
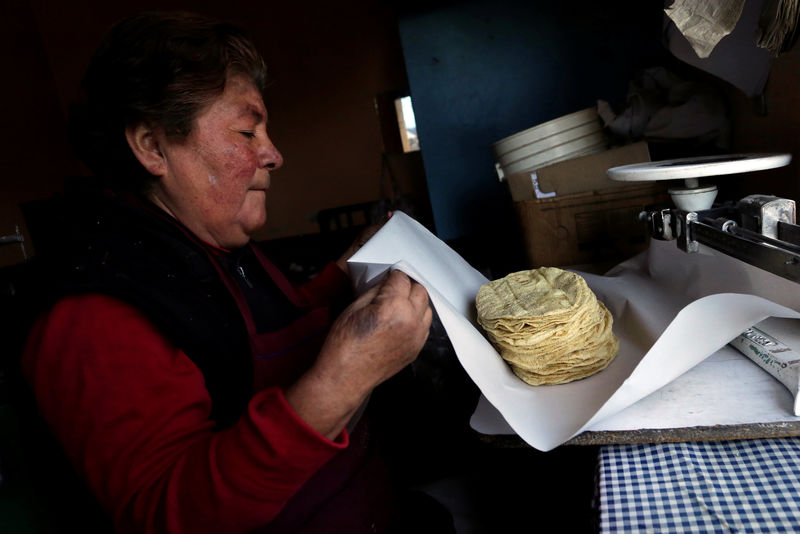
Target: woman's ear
[(144, 143)]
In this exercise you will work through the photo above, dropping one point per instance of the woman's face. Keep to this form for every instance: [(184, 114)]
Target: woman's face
[(215, 180)]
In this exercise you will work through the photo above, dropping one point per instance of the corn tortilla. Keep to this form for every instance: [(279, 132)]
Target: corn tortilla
[(548, 325)]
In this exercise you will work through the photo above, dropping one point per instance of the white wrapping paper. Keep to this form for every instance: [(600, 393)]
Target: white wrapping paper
[(671, 311)]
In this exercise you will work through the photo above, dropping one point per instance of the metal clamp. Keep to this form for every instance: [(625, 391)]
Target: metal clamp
[(687, 240), (13, 239)]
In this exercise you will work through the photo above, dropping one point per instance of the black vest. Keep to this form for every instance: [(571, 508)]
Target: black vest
[(126, 248)]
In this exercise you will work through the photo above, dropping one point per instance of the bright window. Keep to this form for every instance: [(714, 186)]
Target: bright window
[(407, 124)]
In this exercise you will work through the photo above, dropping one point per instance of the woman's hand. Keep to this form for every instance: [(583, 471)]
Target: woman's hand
[(360, 241), (374, 338)]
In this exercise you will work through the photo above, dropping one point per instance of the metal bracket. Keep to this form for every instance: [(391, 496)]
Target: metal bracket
[(763, 213), (660, 223), (687, 240), (13, 239), (538, 192)]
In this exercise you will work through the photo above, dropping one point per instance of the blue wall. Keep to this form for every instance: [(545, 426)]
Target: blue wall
[(480, 71)]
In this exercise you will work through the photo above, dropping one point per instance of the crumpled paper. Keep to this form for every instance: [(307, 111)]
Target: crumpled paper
[(737, 58), (705, 22)]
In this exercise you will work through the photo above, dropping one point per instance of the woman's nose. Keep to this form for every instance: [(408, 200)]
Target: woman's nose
[(270, 157)]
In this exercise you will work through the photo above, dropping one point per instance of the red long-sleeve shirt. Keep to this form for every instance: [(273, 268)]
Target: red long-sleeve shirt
[(132, 413)]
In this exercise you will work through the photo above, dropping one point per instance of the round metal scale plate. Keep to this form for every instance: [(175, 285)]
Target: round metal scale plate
[(681, 169)]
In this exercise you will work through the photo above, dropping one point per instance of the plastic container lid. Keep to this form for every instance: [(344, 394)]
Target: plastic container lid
[(546, 129), (572, 149), (589, 134)]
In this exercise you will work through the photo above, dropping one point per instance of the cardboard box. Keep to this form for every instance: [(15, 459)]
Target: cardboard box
[(578, 175), (595, 227)]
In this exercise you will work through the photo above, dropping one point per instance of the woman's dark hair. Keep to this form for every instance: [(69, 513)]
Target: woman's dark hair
[(159, 69)]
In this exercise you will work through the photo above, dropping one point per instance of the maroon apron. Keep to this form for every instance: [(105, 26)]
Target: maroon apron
[(351, 492)]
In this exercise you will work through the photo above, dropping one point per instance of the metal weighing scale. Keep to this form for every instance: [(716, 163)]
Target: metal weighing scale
[(759, 229)]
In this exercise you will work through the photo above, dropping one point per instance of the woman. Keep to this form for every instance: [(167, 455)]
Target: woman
[(190, 385)]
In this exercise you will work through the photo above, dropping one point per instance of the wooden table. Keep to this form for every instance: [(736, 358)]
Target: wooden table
[(658, 435)]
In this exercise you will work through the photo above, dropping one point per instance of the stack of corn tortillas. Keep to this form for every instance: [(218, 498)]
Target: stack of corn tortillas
[(548, 325)]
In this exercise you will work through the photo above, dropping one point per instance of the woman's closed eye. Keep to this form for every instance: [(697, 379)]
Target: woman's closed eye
[(248, 134)]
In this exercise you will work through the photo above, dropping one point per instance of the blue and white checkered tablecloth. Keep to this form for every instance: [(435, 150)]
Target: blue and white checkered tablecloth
[(717, 486)]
